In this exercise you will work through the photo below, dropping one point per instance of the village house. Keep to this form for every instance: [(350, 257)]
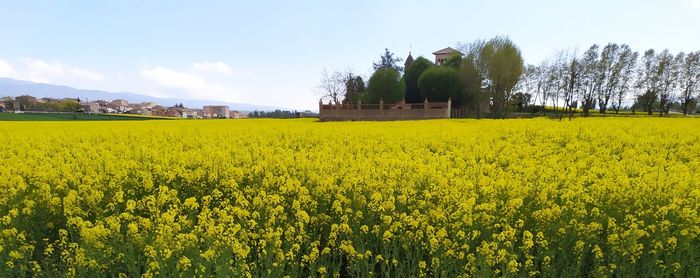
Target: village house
[(173, 112), (237, 115), (148, 105), (90, 107), (216, 111), (120, 102), (195, 113), (442, 55)]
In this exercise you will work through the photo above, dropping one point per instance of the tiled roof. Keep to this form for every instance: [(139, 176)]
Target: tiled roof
[(448, 50)]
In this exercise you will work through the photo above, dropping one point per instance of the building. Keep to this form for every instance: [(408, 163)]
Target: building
[(90, 107), (173, 112), (216, 111), (442, 55), (409, 61), (120, 102), (238, 115), (194, 113), (148, 105)]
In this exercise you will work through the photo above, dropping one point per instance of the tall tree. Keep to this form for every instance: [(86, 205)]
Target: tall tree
[(667, 80), (454, 62), (627, 75), (389, 61), (590, 78), (332, 86), (648, 81), (385, 84), (572, 72), (440, 84), (528, 83), (503, 66), (610, 67), (473, 95), (689, 79), (559, 78), (542, 76), (413, 72), (354, 87)]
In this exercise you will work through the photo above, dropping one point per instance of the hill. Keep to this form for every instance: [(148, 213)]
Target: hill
[(14, 87)]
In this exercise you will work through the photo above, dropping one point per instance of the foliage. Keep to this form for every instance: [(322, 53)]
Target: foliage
[(591, 197), (389, 60), (332, 87), (354, 88), (413, 73), (504, 66), (520, 100), (500, 64), (471, 79), (688, 79), (341, 86), (278, 114), (455, 61), (385, 84), (440, 83), (29, 103)]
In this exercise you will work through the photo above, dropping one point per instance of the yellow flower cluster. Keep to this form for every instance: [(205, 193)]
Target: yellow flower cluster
[(298, 198)]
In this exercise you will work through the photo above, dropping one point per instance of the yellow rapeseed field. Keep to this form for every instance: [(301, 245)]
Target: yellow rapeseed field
[(272, 198)]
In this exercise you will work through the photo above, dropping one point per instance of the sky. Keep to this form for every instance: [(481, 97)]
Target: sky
[(273, 52)]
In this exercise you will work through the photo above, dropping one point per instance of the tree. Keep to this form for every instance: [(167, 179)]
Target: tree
[(528, 82), (471, 79), (389, 61), (68, 105), (440, 84), (571, 72), (354, 87), (25, 102), (667, 80), (385, 84), (503, 66), (689, 79), (413, 72), (647, 83), (520, 101), (590, 80), (455, 61), (627, 75), (332, 86), (558, 78), (610, 68), (543, 84)]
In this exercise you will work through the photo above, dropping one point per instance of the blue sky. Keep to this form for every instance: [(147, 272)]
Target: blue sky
[(272, 52)]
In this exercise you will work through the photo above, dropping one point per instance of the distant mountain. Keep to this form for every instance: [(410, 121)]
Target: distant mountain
[(13, 87)]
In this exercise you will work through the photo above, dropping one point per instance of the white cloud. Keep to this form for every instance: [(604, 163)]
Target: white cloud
[(212, 67), (6, 70), (41, 71), (86, 74), (187, 85), (694, 3)]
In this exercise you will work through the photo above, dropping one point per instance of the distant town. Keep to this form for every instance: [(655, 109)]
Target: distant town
[(27, 104)]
